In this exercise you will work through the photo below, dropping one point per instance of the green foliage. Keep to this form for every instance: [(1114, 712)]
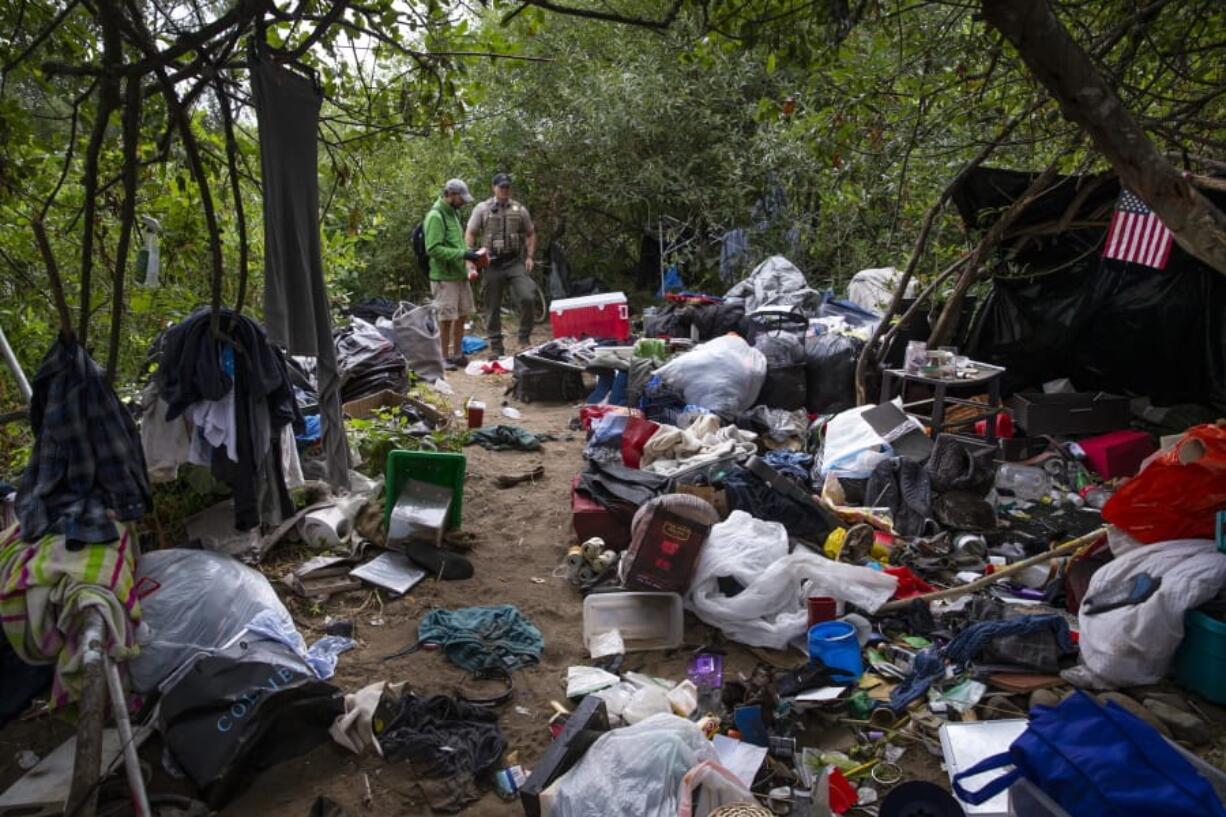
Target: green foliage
[(388, 430)]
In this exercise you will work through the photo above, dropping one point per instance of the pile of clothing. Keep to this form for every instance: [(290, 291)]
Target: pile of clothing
[(368, 361), (229, 405)]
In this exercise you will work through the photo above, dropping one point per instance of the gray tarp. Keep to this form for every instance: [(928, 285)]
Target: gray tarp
[(295, 299)]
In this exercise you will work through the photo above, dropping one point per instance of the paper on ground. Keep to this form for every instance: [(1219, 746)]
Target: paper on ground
[(741, 758)]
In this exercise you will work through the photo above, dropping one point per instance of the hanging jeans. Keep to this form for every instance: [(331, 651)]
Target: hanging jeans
[(498, 280)]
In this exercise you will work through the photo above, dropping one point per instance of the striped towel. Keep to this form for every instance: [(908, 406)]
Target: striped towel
[(45, 589)]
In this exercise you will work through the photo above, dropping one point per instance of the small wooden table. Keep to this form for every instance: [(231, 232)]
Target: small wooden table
[(894, 382)]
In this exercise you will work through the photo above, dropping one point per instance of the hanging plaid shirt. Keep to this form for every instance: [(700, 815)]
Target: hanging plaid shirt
[(87, 468)]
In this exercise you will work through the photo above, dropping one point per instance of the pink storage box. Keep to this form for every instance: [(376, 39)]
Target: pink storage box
[(1117, 454), (606, 315)]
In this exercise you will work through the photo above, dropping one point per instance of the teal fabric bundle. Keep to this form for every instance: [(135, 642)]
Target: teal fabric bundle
[(484, 638)]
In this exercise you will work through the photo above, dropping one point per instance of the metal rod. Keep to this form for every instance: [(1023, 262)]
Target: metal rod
[(23, 385), (87, 761), (131, 762)]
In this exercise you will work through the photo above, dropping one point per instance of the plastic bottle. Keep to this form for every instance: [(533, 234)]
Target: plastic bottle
[(1023, 481)]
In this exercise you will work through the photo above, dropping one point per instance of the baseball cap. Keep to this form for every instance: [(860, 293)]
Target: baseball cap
[(502, 180), (458, 186)]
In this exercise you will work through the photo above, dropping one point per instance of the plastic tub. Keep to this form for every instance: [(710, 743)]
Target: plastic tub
[(646, 621), (426, 466), (834, 643), (1200, 662)]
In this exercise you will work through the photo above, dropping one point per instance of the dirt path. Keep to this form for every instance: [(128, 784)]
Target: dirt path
[(520, 535)]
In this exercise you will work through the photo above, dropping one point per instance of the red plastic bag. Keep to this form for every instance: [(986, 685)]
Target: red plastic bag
[(638, 432), (1178, 493), (909, 585)]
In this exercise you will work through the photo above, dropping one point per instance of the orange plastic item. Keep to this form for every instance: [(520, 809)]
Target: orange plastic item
[(1177, 495)]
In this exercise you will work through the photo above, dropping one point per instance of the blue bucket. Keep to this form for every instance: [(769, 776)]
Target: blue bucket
[(834, 643)]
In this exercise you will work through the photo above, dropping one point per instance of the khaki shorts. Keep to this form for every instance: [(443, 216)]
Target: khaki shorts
[(453, 299)]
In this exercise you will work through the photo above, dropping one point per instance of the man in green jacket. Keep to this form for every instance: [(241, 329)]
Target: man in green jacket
[(453, 297)]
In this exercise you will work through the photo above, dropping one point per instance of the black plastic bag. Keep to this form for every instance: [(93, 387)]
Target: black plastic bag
[(830, 372)]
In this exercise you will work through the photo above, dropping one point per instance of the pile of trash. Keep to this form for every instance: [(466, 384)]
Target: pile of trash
[(958, 578)]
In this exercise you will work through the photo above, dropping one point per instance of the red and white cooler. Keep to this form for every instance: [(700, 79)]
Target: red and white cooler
[(593, 316)]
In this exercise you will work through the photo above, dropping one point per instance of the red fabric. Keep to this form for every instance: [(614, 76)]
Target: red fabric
[(1178, 493), (638, 432), (1004, 426), (589, 414), (909, 584)]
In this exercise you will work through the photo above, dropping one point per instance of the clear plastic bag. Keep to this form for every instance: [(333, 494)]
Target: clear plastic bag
[(722, 375), (195, 601), (770, 611), (636, 771)]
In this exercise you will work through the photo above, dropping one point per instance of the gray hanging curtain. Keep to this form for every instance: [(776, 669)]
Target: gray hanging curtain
[(295, 299)]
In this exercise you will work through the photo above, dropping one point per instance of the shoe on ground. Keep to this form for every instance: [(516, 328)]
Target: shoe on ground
[(459, 361), (448, 365)]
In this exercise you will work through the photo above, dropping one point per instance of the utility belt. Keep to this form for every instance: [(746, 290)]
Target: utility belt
[(503, 261)]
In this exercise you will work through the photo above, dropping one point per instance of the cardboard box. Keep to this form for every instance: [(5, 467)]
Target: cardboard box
[(717, 498), (365, 407), (1070, 414), (664, 557)]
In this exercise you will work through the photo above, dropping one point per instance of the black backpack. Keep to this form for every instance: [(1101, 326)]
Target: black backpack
[(419, 248)]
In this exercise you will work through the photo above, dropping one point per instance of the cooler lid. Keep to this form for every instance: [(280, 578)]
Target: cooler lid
[(601, 299)]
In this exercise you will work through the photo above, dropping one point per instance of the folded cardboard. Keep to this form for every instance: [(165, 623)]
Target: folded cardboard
[(1075, 413), (904, 434)]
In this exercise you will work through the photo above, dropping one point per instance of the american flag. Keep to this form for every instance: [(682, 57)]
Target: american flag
[(1137, 235)]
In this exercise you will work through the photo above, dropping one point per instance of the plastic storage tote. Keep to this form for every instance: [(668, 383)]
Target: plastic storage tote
[(1200, 663), (606, 315), (427, 466), (646, 621)]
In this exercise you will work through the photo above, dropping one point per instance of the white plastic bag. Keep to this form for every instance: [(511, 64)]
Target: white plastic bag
[(723, 375), (716, 787), (770, 611), (852, 448), (1133, 645), (649, 700), (636, 771), (582, 681)]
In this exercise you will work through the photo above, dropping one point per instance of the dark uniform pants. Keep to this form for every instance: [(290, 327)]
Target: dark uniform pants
[(498, 280)]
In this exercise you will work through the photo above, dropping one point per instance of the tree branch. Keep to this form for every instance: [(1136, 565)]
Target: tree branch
[(53, 276), (1086, 99), (609, 17)]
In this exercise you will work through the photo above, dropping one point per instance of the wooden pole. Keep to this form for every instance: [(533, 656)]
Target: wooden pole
[(1067, 549)]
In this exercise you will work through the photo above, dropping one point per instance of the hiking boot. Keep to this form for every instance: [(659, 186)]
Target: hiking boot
[(497, 353), (459, 361), (448, 365)]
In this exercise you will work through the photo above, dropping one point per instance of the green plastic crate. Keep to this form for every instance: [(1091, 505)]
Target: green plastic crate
[(427, 466)]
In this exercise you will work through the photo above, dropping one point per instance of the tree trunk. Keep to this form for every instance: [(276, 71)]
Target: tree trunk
[(1087, 100)]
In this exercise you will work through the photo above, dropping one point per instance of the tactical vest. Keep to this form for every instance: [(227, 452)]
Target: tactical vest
[(503, 230)]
